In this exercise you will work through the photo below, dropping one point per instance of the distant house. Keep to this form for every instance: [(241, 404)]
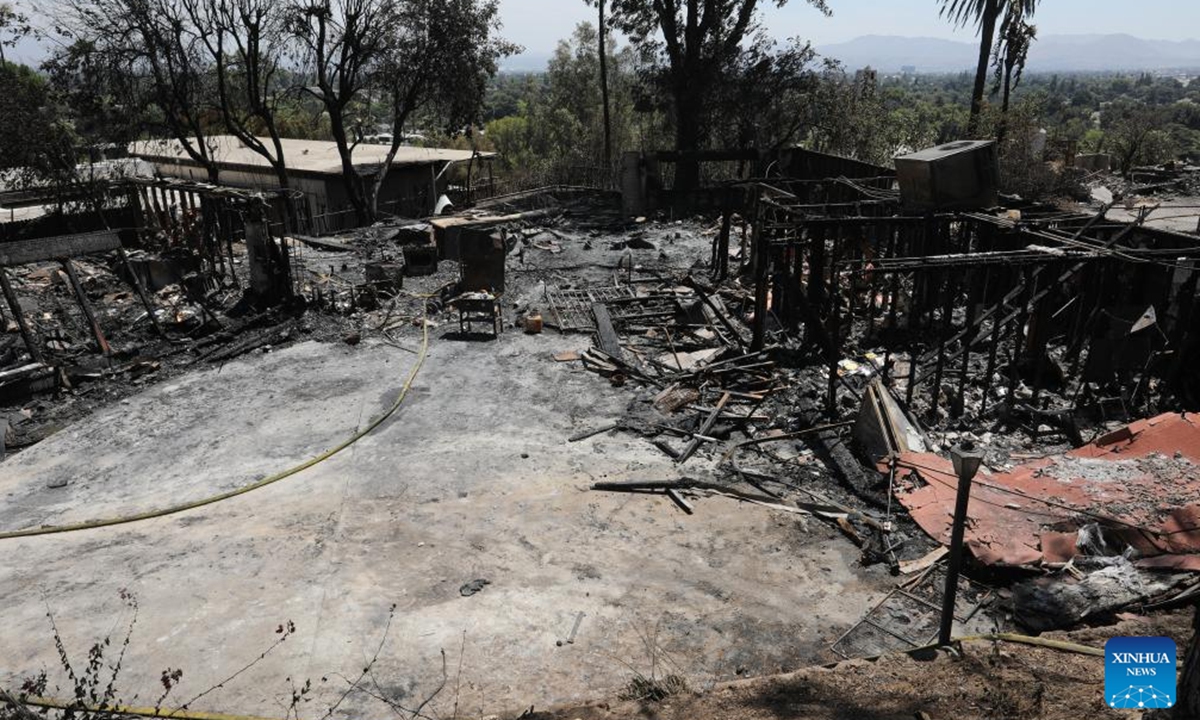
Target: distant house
[(417, 178)]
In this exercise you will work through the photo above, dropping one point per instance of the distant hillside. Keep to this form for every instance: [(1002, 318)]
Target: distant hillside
[(526, 62), (1063, 53)]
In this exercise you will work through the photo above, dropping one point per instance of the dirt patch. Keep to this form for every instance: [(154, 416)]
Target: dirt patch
[(989, 680)]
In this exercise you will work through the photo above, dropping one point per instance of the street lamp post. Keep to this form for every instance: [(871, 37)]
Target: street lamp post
[(967, 459)]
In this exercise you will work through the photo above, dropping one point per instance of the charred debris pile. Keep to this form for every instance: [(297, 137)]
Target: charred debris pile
[(813, 344), (838, 333)]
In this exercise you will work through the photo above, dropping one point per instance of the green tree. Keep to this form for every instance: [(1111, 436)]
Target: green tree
[(1136, 134), (106, 103), (14, 25), (780, 83), (37, 145), (1012, 52), (691, 46), (558, 132), (153, 40)]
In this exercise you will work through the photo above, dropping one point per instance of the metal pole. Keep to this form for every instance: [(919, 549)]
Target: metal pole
[(955, 562)]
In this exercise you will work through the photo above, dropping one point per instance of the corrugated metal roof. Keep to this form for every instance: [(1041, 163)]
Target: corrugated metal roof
[(311, 156), (1141, 483)]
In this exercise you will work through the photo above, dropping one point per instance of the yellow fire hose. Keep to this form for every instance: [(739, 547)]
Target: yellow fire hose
[(53, 704), (182, 507), (1037, 642)]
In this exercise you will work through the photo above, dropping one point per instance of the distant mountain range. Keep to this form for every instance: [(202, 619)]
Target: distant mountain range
[(1051, 53), (1060, 53), (527, 62)]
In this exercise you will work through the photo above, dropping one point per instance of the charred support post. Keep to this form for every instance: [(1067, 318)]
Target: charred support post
[(835, 338), (224, 226), (993, 348), (141, 291), (967, 460), (893, 306), (762, 278), (15, 306), (722, 260), (269, 275), (86, 305), (950, 290), (1019, 337), (973, 299)]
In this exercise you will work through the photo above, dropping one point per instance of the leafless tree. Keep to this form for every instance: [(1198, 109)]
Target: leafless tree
[(14, 25), (245, 41), (438, 61), (153, 40), (340, 44), (602, 29), (417, 54)]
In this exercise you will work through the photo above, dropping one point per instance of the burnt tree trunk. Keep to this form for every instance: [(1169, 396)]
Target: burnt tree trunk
[(608, 165), (689, 107), (354, 183)]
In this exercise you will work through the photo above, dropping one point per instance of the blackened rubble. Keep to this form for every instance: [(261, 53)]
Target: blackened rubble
[(786, 343)]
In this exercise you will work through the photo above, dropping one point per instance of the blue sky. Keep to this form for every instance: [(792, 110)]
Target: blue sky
[(539, 24)]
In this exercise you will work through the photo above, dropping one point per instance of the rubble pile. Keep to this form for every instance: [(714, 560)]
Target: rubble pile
[(814, 349)]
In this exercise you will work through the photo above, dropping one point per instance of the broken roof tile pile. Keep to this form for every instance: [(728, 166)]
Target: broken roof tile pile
[(1140, 485)]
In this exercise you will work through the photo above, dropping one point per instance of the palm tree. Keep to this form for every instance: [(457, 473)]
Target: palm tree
[(1012, 52), (985, 13)]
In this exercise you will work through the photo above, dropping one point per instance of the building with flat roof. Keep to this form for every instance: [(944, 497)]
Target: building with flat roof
[(417, 178)]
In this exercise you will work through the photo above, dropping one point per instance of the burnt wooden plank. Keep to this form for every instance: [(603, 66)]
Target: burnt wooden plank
[(704, 428), (606, 334), (57, 248), (19, 316), (86, 305)]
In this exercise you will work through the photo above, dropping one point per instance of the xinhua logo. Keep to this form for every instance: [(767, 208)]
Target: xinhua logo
[(1139, 672)]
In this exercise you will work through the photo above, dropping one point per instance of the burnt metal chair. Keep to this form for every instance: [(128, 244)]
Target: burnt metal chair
[(478, 307)]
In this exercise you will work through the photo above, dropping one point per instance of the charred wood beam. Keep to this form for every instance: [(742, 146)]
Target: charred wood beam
[(86, 306), (53, 248), (1039, 256), (606, 334), (834, 452), (26, 334), (704, 429), (141, 292)]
